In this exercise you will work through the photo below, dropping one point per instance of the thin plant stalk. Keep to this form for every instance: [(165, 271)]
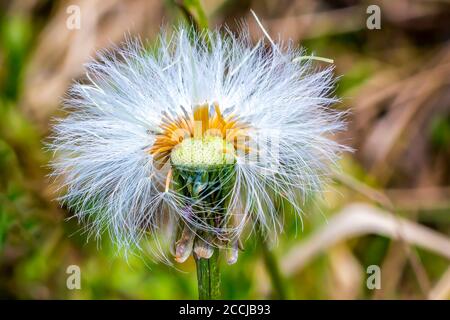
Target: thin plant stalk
[(208, 276), (273, 270)]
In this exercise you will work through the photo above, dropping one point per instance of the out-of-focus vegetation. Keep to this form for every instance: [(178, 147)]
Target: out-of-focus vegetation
[(389, 207)]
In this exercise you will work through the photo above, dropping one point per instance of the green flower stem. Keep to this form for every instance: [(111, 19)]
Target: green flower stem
[(208, 277)]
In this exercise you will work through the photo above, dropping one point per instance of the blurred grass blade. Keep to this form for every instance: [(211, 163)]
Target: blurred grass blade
[(193, 10)]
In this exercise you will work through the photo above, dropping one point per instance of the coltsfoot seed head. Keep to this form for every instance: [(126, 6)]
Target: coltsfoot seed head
[(135, 132)]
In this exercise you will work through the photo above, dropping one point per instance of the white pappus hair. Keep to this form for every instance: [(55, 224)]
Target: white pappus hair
[(102, 146)]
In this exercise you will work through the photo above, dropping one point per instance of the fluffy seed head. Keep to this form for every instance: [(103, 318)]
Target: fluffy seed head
[(136, 116)]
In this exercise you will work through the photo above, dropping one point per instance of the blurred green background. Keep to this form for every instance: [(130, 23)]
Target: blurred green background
[(389, 207)]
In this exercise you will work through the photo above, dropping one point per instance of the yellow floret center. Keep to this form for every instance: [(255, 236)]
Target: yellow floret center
[(208, 151)]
